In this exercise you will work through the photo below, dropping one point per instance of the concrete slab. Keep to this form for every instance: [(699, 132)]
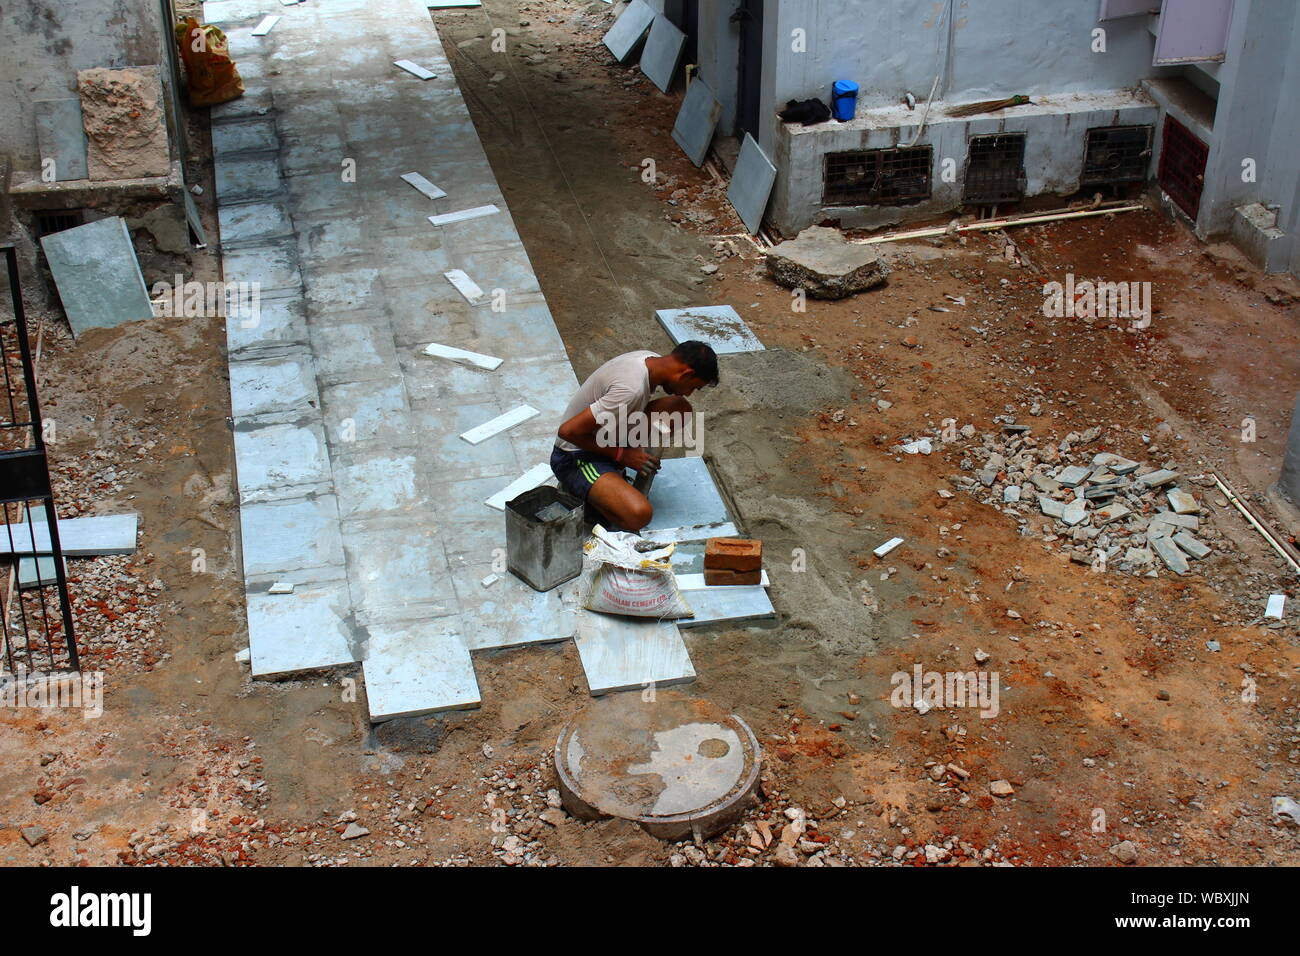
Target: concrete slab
[(97, 275), (254, 222), (417, 668), (282, 383), (277, 322), (662, 53), (303, 631), (718, 326), (751, 184), (623, 653), (629, 30), (250, 135), (78, 537), (61, 138), (696, 121), (397, 570)]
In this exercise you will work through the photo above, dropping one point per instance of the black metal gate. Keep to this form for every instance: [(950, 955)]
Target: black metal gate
[(1182, 166), (38, 633), (995, 169)]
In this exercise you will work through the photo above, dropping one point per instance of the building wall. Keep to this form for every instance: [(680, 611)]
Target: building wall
[(979, 49), (43, 43)]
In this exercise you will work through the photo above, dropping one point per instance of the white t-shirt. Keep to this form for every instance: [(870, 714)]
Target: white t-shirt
[(622, 382)]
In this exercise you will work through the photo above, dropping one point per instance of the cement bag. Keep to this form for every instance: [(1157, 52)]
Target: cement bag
[(625, 574), (212, 75)]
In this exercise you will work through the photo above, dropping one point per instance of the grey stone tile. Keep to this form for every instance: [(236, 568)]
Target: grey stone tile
[(281, 461), (282, 383), (273, 266), (242, 178), (368, 411), (252, 135), (275, 322), (295, 535), (624, 653), (418, 667), (507, 612), (61, 137), (254, 222), (378, 484), (398, 570), (352, 352), (97, 275), (439, 427), (303, 631)]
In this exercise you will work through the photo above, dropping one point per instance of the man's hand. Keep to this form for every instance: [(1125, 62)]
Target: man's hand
[(641, 460)]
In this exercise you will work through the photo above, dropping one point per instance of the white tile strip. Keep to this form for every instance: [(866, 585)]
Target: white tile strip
[(529, 480), (422, 184), (489, 362), (414, 69), (263, 28), (459, 216), (516, 416), (465, 286)]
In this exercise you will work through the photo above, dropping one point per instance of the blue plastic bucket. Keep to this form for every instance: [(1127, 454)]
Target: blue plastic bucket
[(844, 99)]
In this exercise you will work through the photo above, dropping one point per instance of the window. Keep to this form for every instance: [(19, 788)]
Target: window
[(883, 177), (995, 169), (1115, 155), (50, 221)]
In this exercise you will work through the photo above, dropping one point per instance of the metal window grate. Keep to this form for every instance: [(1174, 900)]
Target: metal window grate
[(995, 169), (50, 221), (877, 177), (1182, 166), (1115, 155)]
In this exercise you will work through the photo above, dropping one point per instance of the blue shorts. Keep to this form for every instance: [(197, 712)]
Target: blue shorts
[(579, 470)]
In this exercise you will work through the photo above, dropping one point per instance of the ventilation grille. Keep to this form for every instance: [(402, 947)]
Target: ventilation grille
[(995, 169), (50, 221), (1116, 155), (877, 177), (1182, 166)]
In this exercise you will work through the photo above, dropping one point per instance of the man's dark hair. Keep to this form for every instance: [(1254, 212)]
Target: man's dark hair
[(701, 358)]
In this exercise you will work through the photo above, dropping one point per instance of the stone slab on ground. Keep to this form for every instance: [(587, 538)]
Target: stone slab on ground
[(684, 496), (662, 53), (126, 129), (824, 265), (37, 571), (97, 274), (629, 29), (751, 184), (61, 137), (1170, 554), (731, 604), (696, 121), (623, 653), (408, 665), (78, 537), (718, 326), (307, 630)]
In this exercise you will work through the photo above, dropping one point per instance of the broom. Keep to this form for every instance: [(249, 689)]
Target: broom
[(989, 106)]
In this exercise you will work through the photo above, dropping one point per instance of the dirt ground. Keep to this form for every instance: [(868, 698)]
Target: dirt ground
[(1117, 721)]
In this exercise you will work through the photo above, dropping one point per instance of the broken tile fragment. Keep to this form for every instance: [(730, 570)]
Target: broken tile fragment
[(1171, 555), (1193, 546), (1072, 476), (1182, 502), (1158, 478)]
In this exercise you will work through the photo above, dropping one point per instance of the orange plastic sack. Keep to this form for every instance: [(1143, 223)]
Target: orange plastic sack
[(213, 77)]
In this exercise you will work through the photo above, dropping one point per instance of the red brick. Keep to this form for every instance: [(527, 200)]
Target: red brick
[(733, 554), (714, 577)]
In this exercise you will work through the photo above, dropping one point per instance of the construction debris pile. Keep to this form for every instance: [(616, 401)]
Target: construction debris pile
[(1107, 511)]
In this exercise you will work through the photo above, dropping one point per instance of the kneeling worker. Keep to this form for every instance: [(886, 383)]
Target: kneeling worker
[(590, 453)]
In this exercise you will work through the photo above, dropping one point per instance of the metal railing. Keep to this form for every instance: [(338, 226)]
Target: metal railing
[(37, 623)]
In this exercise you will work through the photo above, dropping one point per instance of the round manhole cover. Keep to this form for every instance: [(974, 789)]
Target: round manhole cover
[(674, 764)]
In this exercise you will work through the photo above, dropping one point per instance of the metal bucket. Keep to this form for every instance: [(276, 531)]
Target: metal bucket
[(544, 551)]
